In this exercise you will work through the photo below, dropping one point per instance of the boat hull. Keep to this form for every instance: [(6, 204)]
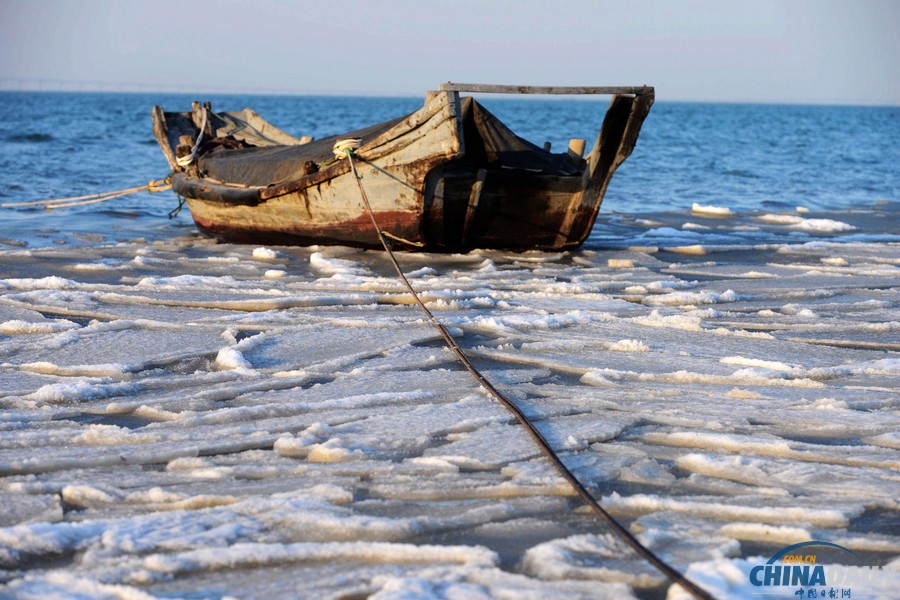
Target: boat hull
[(425, 191), (515, 212)]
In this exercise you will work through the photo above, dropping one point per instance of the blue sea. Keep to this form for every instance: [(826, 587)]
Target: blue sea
[(746, 157)]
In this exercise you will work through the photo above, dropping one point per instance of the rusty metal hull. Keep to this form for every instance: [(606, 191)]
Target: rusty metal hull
[(425, 192)]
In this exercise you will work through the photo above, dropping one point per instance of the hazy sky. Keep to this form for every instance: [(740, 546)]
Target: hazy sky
[(758, 50)]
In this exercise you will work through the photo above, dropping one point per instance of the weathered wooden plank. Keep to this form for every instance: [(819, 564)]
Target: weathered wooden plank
[(536, 89), (472, 207), (160, 132)]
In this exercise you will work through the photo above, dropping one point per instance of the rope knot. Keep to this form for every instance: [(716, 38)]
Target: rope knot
[(185, 161), (159, 185), (342, 146)]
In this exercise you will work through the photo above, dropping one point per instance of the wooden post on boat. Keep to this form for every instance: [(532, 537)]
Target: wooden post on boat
[(576, 149), (614, 144)]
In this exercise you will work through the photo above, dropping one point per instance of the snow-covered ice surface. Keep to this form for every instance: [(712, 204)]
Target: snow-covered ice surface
[(193, 420)]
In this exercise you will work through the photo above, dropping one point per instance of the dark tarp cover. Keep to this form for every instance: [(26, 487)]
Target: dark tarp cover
[(277, 164), (488, 143)]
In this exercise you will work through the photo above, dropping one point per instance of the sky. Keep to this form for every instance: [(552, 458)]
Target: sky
[(797, 51)]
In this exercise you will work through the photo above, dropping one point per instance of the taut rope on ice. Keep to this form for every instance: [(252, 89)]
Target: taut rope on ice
[(618, 528)]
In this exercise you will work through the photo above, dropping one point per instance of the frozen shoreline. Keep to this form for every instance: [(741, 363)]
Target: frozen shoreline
[(177, 409)]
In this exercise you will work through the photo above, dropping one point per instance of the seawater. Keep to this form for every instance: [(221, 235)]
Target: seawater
[(747, 157)]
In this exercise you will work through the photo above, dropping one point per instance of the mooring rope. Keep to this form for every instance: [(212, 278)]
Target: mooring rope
[(618, 528), (159, 185), (188, 159)]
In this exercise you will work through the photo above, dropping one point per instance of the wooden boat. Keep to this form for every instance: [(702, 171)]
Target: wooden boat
[(448, 177)]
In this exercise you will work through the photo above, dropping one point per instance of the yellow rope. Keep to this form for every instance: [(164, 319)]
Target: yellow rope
[(35, 202), (95, 201), (159, 185), (402, 240)]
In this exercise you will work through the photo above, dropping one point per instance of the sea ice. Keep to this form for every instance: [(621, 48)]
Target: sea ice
[(208, 419), (804, 224), (265, 254), (717, 211)]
